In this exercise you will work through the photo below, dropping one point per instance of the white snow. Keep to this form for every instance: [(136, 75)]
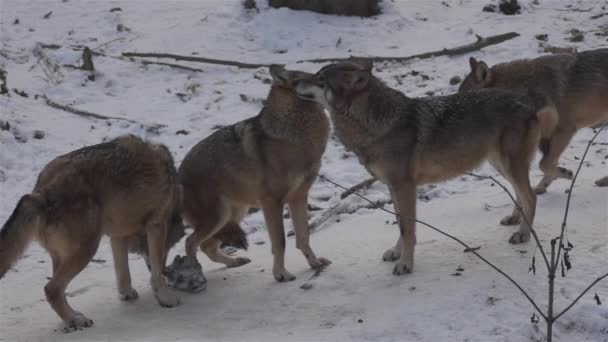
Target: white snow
[(246, 303)]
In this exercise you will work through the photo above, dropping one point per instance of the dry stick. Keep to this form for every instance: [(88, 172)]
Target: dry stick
[(451, 237), (195, 59), (84, 113), (363, 185), (479, 44), (527, 221)]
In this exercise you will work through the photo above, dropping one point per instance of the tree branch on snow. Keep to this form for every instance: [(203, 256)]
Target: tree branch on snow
[(363, 185), (195, 59), (87, 114), (479, 44)]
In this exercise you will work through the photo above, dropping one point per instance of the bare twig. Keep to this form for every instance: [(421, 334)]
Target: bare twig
[(471, 249), (580, 165), (460, 50), (195, 59), (580, 296), (87, 114), (363, 185), (527, 221)]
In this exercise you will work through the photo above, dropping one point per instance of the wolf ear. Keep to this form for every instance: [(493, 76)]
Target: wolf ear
[(279, 74), (480, 69), (367, 64)]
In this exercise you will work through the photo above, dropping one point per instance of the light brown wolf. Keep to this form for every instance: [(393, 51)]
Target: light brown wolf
[(406, 142), (573, 85), (120, 188), (264, 161)]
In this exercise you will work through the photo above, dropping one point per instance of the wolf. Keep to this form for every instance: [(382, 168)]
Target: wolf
[(264, 161), (573, 85), (406, 142), (119, 188)]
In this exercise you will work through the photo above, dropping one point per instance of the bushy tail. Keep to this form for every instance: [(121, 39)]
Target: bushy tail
[(18, 231), (233, 235)]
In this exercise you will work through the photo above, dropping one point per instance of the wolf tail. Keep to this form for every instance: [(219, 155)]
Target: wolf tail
[(19, 230), (233, 235)]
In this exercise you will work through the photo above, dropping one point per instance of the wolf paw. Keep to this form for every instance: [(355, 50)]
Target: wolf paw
[(562, 172), (539, 190), (319, 263), (283, 276), (391, 255), (127, 295), (401, 269), (519, 237), (510, 220), (238, 261), (167, 299), (77, 322)]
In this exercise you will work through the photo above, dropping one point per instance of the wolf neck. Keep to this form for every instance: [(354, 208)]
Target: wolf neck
[(371, 115), (287, 117)]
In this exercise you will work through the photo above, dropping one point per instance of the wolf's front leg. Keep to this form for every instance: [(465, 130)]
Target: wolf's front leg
[(273, 215), (298, 207), (404, 198)]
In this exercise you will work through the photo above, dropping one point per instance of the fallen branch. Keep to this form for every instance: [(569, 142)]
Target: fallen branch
[(460, 50), (597, 16), (479, 44), (87, 114), (363, 185), (195, 59)]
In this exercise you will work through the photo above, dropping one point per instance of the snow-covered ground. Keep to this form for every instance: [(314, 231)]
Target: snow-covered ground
[(356, 298)]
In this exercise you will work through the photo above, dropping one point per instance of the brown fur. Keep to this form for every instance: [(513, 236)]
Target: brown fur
[(406, 142), (119, 188), (264, 161), (575, 86)]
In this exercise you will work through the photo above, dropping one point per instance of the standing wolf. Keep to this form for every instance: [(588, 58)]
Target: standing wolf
[(406, 142), (120, 188), (574, 85), (264, 161)]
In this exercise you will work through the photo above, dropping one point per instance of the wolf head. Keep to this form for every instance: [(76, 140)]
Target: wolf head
[(336, 84), (284, 78), (479, 77)]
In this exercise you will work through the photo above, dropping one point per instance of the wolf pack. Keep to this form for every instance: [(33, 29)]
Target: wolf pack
[(130, 189)]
